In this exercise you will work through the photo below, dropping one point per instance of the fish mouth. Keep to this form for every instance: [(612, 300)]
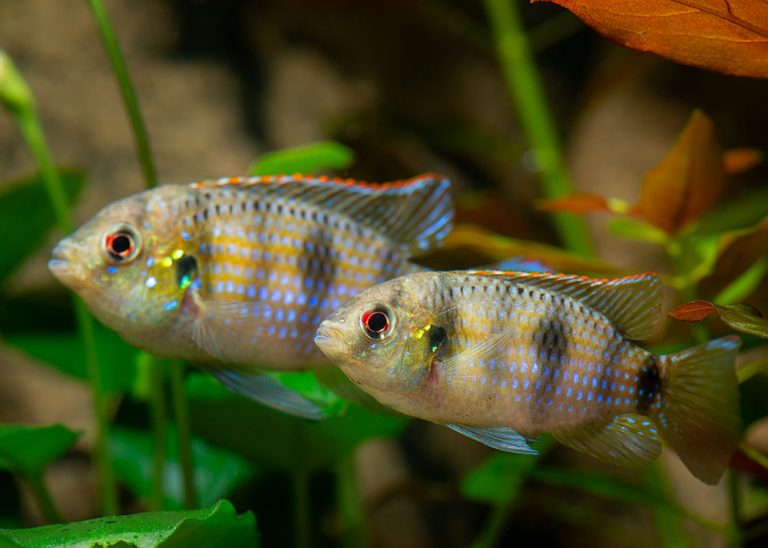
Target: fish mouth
[(329, 340), (62, 265)]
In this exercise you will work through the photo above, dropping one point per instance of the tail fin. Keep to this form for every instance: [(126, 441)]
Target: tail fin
[(699, 415)]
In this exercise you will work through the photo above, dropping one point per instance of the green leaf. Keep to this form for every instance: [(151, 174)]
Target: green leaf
[(306, 384), (66, 352), (499, 479), (744, 318), (27, 450), (322, 155), (276, 439), (217, 472), (636, 229), (218, 525), (26, 217)]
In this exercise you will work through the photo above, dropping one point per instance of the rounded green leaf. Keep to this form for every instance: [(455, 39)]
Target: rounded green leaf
[(323, 155), (27, 450), (218, 525)]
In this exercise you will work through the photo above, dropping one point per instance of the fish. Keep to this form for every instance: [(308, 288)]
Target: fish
[(237, 273), (502, 357)]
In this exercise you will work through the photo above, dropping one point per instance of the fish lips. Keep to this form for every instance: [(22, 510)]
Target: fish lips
[(329, 339), (64, 264)]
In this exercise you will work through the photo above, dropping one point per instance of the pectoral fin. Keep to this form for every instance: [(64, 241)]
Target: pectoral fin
[(503, 439), (268, 391), (625, 440)]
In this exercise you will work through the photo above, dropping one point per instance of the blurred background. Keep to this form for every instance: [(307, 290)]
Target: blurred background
[(410, 87)]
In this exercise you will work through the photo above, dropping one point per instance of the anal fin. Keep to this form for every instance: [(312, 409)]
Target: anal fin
[(503, 439), (626, 440), (268, 391)]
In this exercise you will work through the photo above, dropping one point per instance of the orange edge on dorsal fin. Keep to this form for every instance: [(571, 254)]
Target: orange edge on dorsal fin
[(264, 179)]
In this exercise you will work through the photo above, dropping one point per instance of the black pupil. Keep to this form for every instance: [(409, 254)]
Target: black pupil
[(121, 244), (378, 322)]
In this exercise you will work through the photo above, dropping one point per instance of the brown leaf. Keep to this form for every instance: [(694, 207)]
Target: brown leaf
[(688, 181), (728, 36), (739, 160), (692, 312), (579, 202), (737, 252)]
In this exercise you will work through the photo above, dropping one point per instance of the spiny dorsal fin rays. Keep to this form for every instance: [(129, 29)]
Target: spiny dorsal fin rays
[(417, 213), (632, 303)]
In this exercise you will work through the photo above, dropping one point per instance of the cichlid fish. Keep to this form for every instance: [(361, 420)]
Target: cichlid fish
[(501, 356), (241, 271)]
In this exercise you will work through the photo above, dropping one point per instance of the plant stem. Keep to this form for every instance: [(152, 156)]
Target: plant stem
[(18, 99), (494, 526), (350, 505), (127, 91), (300, 484), (159, 427), (43, 497), (181, 411), (526, 90)]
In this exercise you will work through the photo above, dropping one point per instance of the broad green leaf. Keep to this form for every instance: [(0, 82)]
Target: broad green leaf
[(323, 155), (499, 479), (276, 439), (217, 472), (218, 525), (306, 384), (66, 352), (637, 229), (27, 450), (26, 217)]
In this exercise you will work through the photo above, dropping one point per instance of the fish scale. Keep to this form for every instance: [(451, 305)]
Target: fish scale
[(501, 356)]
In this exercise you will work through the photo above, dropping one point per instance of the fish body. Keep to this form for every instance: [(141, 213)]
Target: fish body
[(502, 356), (241, 271)]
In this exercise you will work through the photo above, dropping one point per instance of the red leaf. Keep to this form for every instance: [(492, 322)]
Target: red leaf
[(579, 202), (692, 312), (688, 181), (728, 36)]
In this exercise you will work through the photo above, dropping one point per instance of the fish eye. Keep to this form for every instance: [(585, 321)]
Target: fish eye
[(376, 323), (121, 243)]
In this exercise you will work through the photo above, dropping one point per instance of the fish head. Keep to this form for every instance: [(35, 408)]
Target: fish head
[(124, 261), (377, 337)]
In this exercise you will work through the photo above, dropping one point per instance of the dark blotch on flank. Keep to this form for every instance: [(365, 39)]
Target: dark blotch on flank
[(551, 342), (186, 267), (648, 384)]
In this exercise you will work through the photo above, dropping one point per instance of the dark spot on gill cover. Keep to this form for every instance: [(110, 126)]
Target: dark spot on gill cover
[(436, 338), (648, 384), (186, 270)]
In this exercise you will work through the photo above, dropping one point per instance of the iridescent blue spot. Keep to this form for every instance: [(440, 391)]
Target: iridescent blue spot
[(537, 385), (275, 295), (263, 293), (230, 286), (150, 262), (288, 298), (568, 392), (599, 398), (271, 330), (526, 384), (313, 300), (220, 287), (579, 396), (279, 314), (171, 305), (504, 383), (512, 367), (341, 289), (575, 378), (589, 396), (514, 384), (185, 235), (483, 379), (290, 317), (151, 281), (112, 269), (523, 367), (608, 400), (303, 318), (308, 283), (251, 293)]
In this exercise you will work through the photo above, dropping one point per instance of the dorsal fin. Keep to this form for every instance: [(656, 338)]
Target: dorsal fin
[(416, 213), (632, 303)]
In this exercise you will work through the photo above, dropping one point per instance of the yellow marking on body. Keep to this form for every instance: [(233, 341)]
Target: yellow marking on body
[(166, 262), (420, 333), (177, 254)]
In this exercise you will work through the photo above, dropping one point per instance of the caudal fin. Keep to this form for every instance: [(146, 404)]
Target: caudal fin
[(699, 416)]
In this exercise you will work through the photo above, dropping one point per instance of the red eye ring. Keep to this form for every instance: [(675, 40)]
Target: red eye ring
[(376, 323), (121, 244)]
